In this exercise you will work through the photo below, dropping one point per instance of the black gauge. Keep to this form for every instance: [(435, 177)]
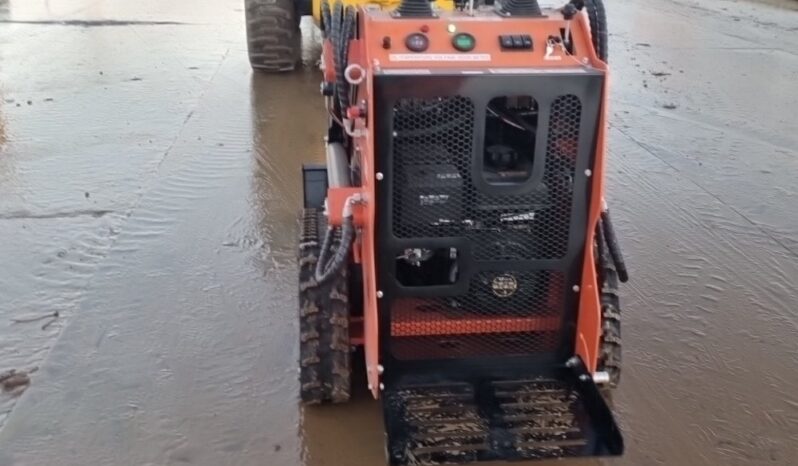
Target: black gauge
[(417, 42)]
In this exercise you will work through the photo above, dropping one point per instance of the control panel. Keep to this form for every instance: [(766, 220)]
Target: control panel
[(461, 40), (465, 42)]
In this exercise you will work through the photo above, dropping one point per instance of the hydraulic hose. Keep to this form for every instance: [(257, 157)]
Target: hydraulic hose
[(334, 31), (327, 266), (340, 30), (326, 19), (347, 33)]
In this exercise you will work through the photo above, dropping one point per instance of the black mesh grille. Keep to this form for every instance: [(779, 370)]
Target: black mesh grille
[(502, 313), (432, 147), (435, 196)]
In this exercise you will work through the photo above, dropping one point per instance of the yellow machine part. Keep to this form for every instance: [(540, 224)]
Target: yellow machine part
[(447, 5)]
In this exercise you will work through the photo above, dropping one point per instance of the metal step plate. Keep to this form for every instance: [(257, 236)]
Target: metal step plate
[(524, 419)]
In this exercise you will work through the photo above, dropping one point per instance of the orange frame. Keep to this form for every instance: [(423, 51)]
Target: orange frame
[(369, 53)]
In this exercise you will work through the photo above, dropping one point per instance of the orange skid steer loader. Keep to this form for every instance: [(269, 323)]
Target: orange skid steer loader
[(458, 230)]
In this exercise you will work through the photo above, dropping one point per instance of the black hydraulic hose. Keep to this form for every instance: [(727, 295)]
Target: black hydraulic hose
[(326, 18), (342, 60), (341, 29), (326, 266), (613, 246), (335, 39)]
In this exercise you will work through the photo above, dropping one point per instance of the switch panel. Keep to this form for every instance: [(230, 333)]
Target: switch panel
[(516, 42)]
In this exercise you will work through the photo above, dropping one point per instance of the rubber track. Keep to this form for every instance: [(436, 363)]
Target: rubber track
[(325, 358), (272, 34), (610, 349)]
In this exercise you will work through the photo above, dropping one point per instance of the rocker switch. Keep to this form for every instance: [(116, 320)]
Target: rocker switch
[(527, 41), (516, 42)]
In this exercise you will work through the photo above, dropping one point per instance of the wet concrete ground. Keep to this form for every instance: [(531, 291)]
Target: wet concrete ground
[(148, 190)]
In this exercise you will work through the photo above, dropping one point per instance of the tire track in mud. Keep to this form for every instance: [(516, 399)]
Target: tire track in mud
[(708, 322), (64, 242), (59, 280), (186, 336), (734, 143), (723, 174)]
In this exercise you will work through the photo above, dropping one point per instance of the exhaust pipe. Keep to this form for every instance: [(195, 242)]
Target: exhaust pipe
[(337, 166)]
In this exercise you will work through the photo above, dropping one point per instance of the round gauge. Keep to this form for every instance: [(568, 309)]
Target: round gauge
[(417, 42)]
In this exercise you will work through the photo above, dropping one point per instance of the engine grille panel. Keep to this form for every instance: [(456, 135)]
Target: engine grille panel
[(435, 195), (503, 313), (433, 145), (477, 255)]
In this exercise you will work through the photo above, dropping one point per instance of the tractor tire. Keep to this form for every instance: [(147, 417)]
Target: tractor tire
[(610, 348), (597, 16), (325, 356), (273, 37)]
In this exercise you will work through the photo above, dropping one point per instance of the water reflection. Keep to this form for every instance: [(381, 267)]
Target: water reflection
[(287, 130)]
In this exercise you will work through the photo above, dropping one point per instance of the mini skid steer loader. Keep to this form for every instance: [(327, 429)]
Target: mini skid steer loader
[(458, 230)]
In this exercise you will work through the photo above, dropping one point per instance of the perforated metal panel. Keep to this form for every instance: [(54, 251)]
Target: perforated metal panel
[(433, 144), (503, 313), (516, 248)]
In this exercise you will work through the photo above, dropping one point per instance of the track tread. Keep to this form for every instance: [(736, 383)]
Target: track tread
[(610, 349), (325, 357), (272, 34)]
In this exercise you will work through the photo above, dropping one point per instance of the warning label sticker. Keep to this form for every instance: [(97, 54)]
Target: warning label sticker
[(449, 57)]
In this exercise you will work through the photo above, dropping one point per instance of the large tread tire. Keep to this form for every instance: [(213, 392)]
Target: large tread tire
[(273, 37), (325, 356)]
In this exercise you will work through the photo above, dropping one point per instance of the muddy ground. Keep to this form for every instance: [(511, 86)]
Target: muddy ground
[(149, 184)]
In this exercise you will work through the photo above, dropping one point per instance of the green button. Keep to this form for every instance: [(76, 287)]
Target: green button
[(464, 42)]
